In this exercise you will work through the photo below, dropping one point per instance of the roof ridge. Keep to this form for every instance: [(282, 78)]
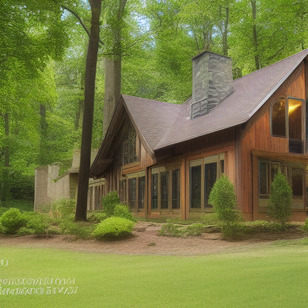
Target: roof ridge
[(265, 67)]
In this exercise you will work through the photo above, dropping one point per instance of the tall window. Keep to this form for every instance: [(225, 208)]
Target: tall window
[(195, 188), (129, 146), (154, 191), (176, 189), (203, 175), (210, 177), (279, 118), (141, 189), (287, 121), (132, 193), (165, 188)]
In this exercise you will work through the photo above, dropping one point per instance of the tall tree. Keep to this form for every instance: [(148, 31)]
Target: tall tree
[(85, 155)]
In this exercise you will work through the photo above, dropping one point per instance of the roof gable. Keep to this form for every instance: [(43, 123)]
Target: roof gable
[(249, 95)]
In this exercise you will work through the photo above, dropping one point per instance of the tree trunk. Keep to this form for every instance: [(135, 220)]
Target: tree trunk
[(113, 70), (255, 34), (6, 150), (225, 46), (112, 88), (85, 155), (43, 135)]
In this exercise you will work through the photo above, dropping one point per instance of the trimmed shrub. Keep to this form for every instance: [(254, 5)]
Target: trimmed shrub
[(113, 227), (3, 210), (122, 210), (279, 208), (110, 201), (11, 221), (223, 199), (210, 219)]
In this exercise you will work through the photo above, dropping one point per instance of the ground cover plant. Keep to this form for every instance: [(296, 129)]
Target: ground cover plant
[(238, 279)]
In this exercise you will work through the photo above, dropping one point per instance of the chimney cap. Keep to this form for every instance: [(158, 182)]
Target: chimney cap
[(209, 52)]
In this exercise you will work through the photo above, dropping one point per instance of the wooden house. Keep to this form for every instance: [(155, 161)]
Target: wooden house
[(163, 159)]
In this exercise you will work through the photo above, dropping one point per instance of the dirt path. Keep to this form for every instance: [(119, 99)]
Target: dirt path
[(146, 241)]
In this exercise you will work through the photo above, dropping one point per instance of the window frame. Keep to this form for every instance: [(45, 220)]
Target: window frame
[(159, 171), (304, 117), (217, 158)]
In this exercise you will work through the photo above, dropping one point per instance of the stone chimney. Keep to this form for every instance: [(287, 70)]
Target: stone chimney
[(212, 82)]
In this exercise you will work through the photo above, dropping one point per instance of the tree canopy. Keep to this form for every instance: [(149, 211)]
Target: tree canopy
[(43, 59)]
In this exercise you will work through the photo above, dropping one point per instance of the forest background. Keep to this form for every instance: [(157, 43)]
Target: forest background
[(43, 47)]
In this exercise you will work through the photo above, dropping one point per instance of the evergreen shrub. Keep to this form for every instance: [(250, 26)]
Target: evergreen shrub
[(223, 199), (122, 210), (110, 201), (113, 228), (279, 208), (11, 221)]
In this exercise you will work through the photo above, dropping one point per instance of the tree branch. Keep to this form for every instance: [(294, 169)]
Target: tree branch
[(81, 22)]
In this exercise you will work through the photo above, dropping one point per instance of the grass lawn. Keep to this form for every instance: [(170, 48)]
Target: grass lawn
[(270, 276)]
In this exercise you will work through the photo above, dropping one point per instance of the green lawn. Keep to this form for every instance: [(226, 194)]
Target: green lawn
[(272, 276)]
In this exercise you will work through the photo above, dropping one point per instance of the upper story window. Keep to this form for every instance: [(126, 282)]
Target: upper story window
[(130, 146), (279, 118), (287, 121)]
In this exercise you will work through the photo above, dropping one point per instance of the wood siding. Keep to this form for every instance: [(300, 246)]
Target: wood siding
[(256, 136)]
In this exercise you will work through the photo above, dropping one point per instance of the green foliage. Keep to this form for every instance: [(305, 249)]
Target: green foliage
[(113, 227), (79, 229), (63, 208), (97, 217), (279, 208), (305, 227), (122, 210), (12, 220), (170, 229), (109, 202), (259, 226), (223, 199), (174, 230), (210, 219), (232, 231), (36, 223)]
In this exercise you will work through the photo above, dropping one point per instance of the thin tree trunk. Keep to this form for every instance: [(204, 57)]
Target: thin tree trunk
[(225, 46), (5, 180), (43, 134), (255, 34), (85, 155)]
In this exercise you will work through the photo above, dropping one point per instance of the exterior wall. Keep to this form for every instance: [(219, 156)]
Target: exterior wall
[(178, 157), (256, 137), (49, 187), (41, 187)]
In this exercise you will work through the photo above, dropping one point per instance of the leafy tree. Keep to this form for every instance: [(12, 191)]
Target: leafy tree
[(280, 199)]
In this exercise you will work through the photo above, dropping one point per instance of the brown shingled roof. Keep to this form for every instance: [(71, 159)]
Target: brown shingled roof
[(249, 95), (160, 124)]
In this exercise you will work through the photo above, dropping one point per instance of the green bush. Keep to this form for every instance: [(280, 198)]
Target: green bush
[(11, 221), (79, 229), (210, 219), (122, 210), (232, 231), (193, 230), (170, 229), (110, 201), (97, 217), (305, 227), (223, 199), (173, 230), (279, 208), (36, 223), (63, 208), (113, 227)]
